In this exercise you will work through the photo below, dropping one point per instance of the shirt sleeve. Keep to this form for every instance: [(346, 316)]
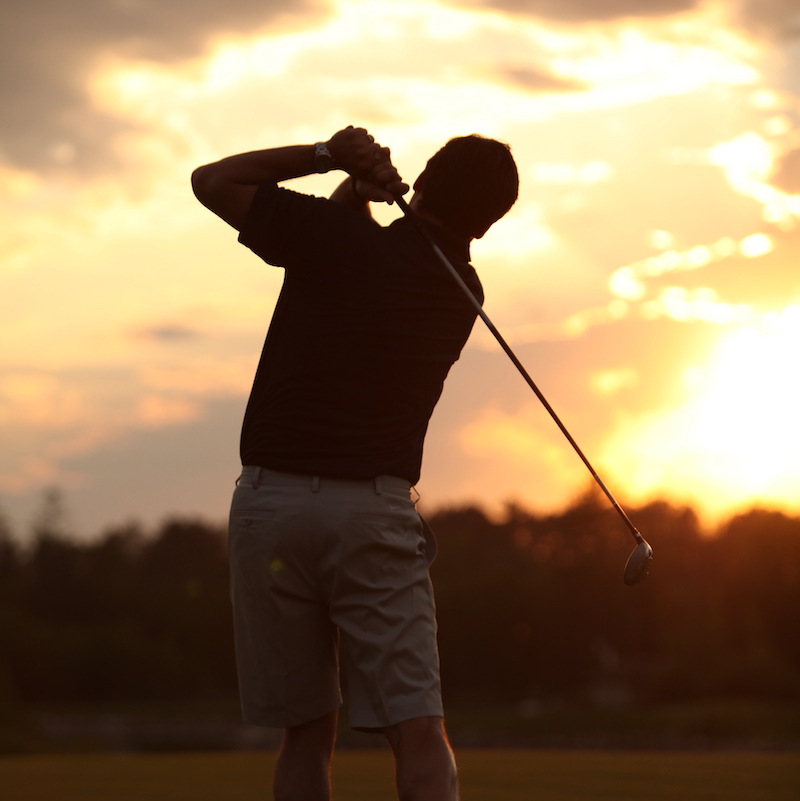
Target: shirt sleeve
[(288, 229)]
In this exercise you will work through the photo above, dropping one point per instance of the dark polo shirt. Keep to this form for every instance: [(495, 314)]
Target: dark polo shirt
[(366, 328)]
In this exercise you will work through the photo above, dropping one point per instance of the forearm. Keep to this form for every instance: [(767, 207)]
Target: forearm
[(227, 187), (261, 166), (346, 193), (352, 150)]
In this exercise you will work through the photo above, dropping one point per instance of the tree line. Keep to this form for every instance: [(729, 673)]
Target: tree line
[(531, 607)]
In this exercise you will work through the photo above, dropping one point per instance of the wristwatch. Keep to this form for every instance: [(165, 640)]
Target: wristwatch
[(323, 160)]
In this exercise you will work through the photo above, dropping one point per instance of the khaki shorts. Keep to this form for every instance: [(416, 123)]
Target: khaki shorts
[(318, 564)]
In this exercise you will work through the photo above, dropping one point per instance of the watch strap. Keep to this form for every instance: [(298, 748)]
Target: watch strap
[(323, 160)]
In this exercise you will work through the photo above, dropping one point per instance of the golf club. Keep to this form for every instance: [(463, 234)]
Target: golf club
[(638, 564)]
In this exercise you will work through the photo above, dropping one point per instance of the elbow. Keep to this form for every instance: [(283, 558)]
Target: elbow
[(203, 181), (230, 201)]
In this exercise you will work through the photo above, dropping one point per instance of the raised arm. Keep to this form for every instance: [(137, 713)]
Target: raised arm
[(227, 187)]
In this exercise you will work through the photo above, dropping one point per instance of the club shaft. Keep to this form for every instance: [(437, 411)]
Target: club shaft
[(406, 209)]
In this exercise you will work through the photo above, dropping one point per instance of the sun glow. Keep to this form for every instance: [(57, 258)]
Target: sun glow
[(747, 162), (512, 448), (734, 443)]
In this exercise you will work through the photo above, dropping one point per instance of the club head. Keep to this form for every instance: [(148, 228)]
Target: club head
[(638, 564)]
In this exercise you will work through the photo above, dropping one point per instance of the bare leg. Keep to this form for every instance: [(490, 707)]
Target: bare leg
[(302, 772), (426, 767)]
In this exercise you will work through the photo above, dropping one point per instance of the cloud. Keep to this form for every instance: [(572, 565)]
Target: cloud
[(159, 471), (539, 81), (48, 420), (49, 48), (775, 18), (49, 51), (787, 174), (154, 411), (169, 332), (591, 10)]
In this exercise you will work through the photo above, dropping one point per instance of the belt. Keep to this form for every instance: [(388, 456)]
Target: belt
[(254, 475)]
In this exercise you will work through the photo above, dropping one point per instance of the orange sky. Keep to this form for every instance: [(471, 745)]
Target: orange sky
[(647, 276)]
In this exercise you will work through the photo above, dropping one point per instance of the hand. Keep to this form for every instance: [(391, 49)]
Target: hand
[(356, 152), (383, 182)]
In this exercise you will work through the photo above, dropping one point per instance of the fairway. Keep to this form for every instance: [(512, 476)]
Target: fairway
[(486, 775)]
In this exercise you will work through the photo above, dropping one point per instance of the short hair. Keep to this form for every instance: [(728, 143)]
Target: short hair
[(470, 184)]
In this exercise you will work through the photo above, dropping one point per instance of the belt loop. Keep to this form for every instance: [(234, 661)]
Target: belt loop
[(256, 477), (378, 490), (315, 483)]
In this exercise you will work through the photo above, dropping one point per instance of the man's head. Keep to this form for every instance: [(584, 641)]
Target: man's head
[(469, 184)]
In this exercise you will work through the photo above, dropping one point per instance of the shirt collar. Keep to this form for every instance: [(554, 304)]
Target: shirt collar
[(456, 246)]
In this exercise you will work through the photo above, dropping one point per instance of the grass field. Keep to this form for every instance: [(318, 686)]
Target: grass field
[(486, 775)]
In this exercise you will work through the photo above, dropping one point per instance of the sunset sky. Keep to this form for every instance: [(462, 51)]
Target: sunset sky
[(648, 277)]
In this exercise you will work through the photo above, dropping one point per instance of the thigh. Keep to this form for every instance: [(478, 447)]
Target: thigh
[(286, 644), (383, 605)]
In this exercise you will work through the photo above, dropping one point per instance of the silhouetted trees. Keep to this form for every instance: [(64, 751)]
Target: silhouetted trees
[(536, 606), (530, 607), (128, 617)]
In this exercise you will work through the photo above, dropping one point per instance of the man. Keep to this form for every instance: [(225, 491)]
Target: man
[(326, 547)]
